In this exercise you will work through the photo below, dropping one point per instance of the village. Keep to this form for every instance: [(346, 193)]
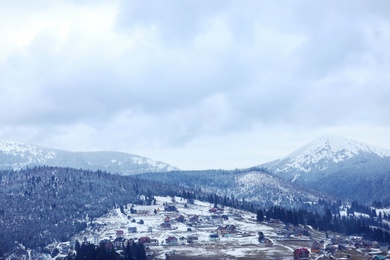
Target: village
[(175, 228)]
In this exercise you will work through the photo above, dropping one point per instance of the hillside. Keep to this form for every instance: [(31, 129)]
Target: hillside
[(256, 185), (14, 155), (45, 204)]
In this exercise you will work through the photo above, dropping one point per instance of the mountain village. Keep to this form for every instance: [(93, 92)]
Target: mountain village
[(175, 228)]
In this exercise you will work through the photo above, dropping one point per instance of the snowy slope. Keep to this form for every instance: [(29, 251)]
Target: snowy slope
[(326, 153), (338, 166), (15, 155)]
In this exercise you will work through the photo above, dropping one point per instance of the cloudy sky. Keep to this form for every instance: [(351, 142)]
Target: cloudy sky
[(197, 84)]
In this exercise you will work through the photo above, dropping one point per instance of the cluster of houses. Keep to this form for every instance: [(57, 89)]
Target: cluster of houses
[(171, 216), (169, 227)]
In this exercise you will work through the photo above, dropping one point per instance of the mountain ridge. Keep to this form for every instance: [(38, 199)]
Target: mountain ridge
[(17, 155), (330, 160)]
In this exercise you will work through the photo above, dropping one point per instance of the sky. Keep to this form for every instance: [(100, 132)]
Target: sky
[(196, 84)]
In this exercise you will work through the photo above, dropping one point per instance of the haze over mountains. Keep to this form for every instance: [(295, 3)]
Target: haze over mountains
[(15, 155)]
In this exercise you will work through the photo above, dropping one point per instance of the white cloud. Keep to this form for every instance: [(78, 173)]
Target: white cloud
[(198, 84)]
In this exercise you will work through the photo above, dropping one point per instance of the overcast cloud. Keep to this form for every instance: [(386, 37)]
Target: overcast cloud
[(197, 84)]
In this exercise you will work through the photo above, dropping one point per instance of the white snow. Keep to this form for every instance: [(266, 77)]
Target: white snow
[(112, 161), (328, 148)]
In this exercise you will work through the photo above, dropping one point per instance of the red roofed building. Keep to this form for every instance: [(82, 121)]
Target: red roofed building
[(301, 254)]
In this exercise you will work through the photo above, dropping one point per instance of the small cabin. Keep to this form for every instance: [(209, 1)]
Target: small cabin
[(144, 240), (180, 218), (170, 207), (132, 229), (213, 237), (171, 240), (301, 254)]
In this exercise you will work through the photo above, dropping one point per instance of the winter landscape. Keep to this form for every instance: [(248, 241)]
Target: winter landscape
[(213, 214), (194, 130)]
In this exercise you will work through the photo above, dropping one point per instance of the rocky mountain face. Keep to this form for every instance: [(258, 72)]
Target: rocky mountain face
[(338, 166), (16, 156)]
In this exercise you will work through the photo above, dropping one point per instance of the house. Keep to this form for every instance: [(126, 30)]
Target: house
[(216, 220), (379, 257), (214, 237), (194, 219), (226, 231), (132, 230), (268, 242), (213, 210), (367, 243), (119, 233), (180, 218), (165, 225), (191, 238), (301, 253), (143, 212), (170, 207), (144, 240), (171, 240), (182, 240)]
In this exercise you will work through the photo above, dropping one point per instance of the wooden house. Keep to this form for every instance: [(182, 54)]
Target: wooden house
[(132, 229), (144, 240), (213, 210), (301, 254), (180, 218), (170, 207), (171, 240), (226, 231), (165, 225), (194, 219), (213, 237)]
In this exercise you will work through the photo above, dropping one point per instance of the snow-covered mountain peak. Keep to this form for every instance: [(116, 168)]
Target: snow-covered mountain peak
[(325, 151), (26, 150), (16, 155), (335, 148)]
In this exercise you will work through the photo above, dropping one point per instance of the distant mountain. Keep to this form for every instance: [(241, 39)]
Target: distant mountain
[(14, 155), (339, 166)]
